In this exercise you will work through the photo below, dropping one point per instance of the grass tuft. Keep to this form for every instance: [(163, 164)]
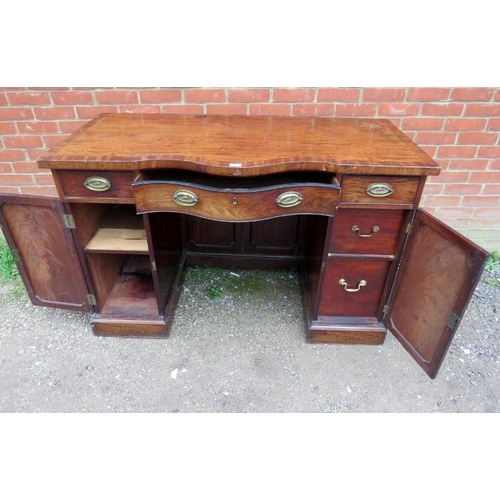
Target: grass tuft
[(8, 268)]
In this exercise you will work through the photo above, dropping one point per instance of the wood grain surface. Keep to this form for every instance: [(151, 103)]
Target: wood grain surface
[(240, 145)]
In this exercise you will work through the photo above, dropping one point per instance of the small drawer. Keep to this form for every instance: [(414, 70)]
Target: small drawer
[(362, 231), (96, 185), (235, 204), (353, 287), (379, 190)]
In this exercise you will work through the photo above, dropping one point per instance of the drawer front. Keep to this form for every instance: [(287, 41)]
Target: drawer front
[(96, 186), (235, 205), (379, 190), (353, 287), (362, 231)]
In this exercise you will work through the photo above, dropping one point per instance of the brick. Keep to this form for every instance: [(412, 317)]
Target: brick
[(465, 124), (474, 222), (497, 95), (469, 189), (25, 167), (383, 94), (423, 123), (468, 164), (11, 113), (321, 109), (495, 165), (492, 189), (68, 127), (204, 95), (363, 109), (6, 168), (293, 95), (432, 189), (431, 151), (442, 201), (185, 109), (116, 96), (160, 96), (270, 109), (49, 141), (28, 98), (477, 138), (489, 151), (7, 128), (44, 179), (456, 151), (16, 180), (339, 94), (446, 212), (140, 108), (226, 109), (12, 155), (39, 190), (472, 94), (436, 138), (37, 128), (249, 95), (3, 99), (478, 109), (493, 124), (89, 112), (34, 154), (54, 113), (73, 97), (448, 109), (487, 212), (9, 189), (427, 94), (399, 109), (22, 141), (481, 201), (485, 177), (451, 177)]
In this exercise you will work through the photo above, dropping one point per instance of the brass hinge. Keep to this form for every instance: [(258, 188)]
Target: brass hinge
[(69, 221), (452, 321), (91, 299), (385, 309), (409, 228), (153, 265)]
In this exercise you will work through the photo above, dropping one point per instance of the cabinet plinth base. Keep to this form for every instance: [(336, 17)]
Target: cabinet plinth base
[(130, 328), (346, 332)]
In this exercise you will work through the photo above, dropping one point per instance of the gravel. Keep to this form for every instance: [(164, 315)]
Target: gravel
[(241, 351)]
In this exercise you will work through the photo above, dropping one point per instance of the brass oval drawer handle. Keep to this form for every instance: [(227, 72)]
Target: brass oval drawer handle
[(343, 283), (185, 198), (375, 229), (379, 189), (289, 199), (99, 184)]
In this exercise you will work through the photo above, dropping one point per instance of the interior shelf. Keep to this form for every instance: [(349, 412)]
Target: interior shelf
[(133, 295), (122, 232)]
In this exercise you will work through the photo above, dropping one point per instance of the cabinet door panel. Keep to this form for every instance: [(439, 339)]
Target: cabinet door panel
[(439, 272), (45, 251)]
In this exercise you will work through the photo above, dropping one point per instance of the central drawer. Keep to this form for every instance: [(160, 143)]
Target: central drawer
[(237, 200)]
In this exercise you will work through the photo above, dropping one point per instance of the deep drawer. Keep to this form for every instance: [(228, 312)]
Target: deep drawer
[(95, 185), (233, 204), (379, 189), (353, 287), (362, 231)]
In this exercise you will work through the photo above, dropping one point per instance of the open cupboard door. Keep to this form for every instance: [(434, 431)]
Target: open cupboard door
[(44, 251), (438, 274)]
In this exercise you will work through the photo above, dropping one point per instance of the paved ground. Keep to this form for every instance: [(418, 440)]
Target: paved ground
[(241, 352)]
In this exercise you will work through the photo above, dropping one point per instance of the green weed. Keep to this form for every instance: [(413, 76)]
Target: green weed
[(493, 263), (8, 268)]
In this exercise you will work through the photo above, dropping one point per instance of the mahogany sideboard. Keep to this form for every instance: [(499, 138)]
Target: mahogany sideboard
[(142, 196)]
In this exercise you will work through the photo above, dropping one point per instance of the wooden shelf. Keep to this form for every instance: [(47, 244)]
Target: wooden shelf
[(122, 232)]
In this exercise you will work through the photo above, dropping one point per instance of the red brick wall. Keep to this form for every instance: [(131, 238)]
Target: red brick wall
[(459, 127)]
